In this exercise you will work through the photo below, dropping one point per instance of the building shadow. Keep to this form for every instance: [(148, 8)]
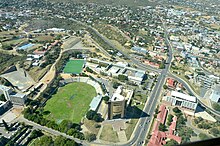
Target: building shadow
[(199, 108), (133, 112)]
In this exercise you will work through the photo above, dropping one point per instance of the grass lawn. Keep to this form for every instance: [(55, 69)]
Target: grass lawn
[(71, 102), (91, 126), (44, 38), (14, 42), (130, 129), (74, 66), (108, 134)]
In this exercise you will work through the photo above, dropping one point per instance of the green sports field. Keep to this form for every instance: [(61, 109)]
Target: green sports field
[(71, 102), (74, 66)]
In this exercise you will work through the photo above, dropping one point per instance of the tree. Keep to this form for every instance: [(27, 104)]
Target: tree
[(171, 143), (204, 125), (90, 137), (93, 115), (65, 125), (89, 70), (162, 127), (106, 99), (115, 85), (2, 97), (122, 78), (7, 47), (90, 114), (181, 120), (169, 119), (203, 136), (214, 131), (60, 140), (165, 87), (35, 134), (71, 131), (216, 106), (176, 110), (45, 141), (162, 65)]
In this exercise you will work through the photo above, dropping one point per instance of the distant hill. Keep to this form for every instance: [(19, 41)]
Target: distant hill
[(113, 2)]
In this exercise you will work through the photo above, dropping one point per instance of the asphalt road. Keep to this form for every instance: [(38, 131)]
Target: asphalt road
[(143, 124), (141, 131)]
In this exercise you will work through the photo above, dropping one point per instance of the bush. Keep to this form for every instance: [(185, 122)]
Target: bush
[(203, 136), (90, 137), (115, 85), (165, 87), (106, 99), (89, 70), (93, 115), (176, 110), (171, 143), (216, 106), (162, 127), (214, 131), (169, 119), (122, 78)]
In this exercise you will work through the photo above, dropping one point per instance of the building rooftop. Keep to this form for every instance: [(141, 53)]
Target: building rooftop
[(162, 114), (19, 78), (183, 96), (121, 94), (95, 102), (216, 89), (18, 95), (4, 88)]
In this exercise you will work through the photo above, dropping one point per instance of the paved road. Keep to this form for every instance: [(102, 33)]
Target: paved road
[(141, 131), (143, 124), (135, 61), (152, 102)]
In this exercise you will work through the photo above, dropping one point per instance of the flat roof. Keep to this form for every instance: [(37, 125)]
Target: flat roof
[(4, 88), (114, 69), (95, 102), (183, 96), (19, 78)]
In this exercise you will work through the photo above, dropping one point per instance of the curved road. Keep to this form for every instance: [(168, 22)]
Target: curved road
[(143, 124)]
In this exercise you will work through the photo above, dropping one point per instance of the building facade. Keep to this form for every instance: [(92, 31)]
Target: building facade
[(215, 93), (186, 102), (118, 103), (10, 95)]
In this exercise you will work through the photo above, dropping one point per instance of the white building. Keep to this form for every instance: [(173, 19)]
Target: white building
[(10, 95), (120, 68), (118, 102), (215, 93), (186, 102)]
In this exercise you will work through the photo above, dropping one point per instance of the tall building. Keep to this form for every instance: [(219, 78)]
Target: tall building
[(6, 91), (206, 81), (10, 95), (118, 103)]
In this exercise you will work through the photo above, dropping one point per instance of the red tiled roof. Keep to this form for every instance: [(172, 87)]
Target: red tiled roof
[(162, 114), (170, 82), (174, 137), (39, 52), (158, 137), (55, 42), (173, 125)]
